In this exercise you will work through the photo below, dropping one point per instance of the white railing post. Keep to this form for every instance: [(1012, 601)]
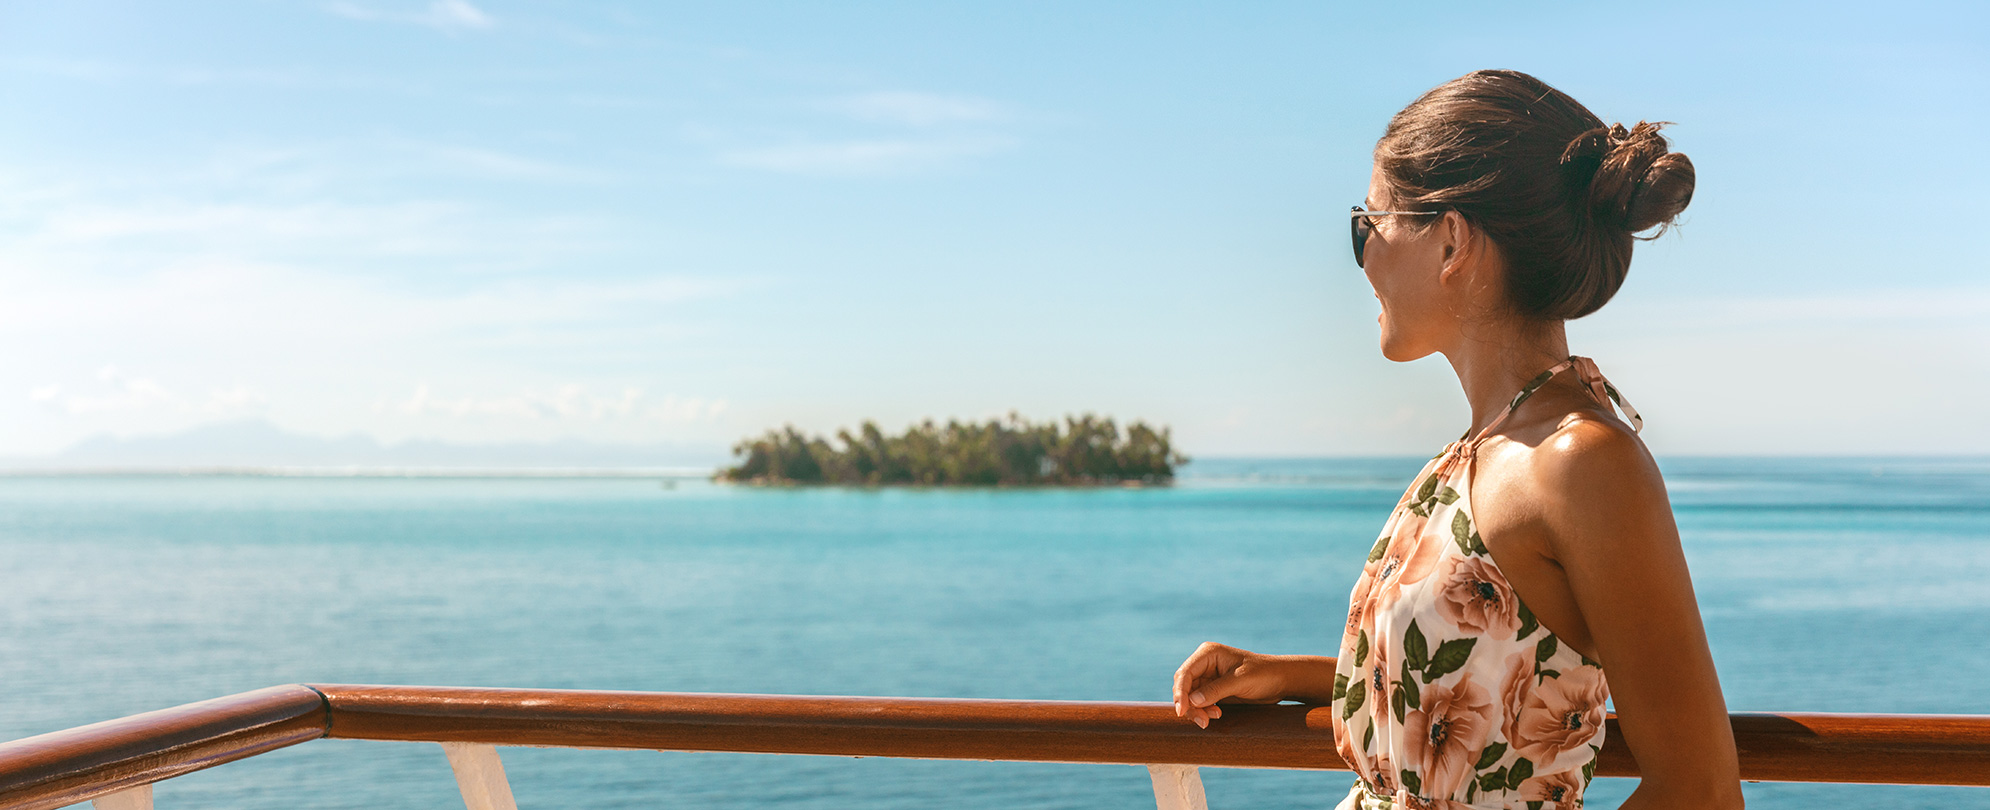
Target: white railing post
[(1177, 787), (138, 798), (480, 775)]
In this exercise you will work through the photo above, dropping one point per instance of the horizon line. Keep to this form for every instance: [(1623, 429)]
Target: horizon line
[(680, 472)]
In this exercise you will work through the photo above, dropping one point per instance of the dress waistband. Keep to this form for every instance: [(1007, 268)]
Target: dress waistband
[(1362, 797)]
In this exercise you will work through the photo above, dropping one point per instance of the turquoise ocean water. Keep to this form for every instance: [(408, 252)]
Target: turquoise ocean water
[(1827, 585)]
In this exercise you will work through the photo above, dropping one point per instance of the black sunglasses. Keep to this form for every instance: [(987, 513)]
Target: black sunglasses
[(1358, 221)]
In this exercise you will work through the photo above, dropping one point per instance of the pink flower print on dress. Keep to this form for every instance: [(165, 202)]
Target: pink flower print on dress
[(1409, 560), (1514, 690), (1444, 736), (1473, 595), (1376, 671), (1419, 555), (1383, 775), (1415, 802), (1561, 716), (1357, 610), (1557, 787)]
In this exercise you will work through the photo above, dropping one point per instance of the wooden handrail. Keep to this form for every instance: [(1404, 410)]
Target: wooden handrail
[(70, 766), (65, 767), (920, 728), (1774, 747)]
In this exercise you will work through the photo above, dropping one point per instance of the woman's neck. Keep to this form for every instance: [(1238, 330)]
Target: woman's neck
[(1494, 358)]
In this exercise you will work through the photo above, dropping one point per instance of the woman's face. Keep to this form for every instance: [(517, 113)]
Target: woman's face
[(1404, 263)]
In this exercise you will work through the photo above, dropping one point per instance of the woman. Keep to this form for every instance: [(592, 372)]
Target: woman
[(1537, 552)]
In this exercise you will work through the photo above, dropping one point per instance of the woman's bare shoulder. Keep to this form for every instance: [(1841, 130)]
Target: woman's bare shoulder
[(1593, 478), (1566, 450), (1584, 445)]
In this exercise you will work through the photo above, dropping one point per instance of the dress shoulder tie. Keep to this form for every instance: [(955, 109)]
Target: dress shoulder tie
[(1592, 380), (1604, 392)]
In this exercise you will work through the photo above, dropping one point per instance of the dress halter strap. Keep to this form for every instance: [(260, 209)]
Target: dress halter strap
[(1604, 392), (1593, 382)]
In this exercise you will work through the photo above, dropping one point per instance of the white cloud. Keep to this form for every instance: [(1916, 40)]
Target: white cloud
[(81, 226), (866, 157), (402, 225), (124, 393), (503, 165), (916, 109), (1873, 305), (896, 132), (1967, 304), (85, 70), (216, 299), (458, 13), (161, 74), (236, 399), (570, 402), (672, 409), (121, 393), (323, 301), (442, 15)]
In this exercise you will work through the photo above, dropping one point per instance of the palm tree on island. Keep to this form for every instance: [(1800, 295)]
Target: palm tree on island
[(1082, 451)]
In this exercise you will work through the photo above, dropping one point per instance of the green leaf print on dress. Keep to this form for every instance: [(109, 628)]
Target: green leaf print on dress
[(1381, 548), (1416, 652), (1450, 656), (1425, 497), (1518, 772)]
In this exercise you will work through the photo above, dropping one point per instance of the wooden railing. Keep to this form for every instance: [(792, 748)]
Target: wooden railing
[(115, 763)]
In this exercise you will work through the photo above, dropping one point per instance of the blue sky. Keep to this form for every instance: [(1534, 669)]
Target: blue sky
[(486, 221)]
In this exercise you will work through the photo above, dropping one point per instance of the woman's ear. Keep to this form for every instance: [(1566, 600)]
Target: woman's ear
[(1460, 244)]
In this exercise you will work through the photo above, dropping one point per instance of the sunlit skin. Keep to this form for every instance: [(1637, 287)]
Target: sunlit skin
[(1569, 502)]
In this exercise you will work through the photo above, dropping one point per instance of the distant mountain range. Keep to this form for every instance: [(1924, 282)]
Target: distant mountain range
[(259, 445)]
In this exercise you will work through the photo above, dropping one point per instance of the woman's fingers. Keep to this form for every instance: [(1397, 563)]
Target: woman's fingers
[(1207, 662), (1214, 673), (1202, 701), (1209, 694)]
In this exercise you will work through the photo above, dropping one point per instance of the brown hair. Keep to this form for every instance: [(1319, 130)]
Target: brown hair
[(1561, 194)]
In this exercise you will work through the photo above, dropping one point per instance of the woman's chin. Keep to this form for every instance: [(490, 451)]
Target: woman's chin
[(1398, 351), (1394, 347)]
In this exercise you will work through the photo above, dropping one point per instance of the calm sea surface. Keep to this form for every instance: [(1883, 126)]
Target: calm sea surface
[(1827, 585)]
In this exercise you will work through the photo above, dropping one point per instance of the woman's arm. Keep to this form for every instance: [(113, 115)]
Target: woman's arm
[(1610, 527), (1218, 672)]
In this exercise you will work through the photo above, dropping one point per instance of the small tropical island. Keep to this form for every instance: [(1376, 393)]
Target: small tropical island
[(1082, 451)]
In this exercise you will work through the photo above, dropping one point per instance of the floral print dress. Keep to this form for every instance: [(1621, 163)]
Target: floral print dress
[(1449, 694)]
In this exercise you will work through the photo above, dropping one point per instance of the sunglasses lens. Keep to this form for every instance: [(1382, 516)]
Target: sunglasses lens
[(1359, 226)]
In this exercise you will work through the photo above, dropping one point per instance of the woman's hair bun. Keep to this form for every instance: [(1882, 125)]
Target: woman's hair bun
[(1634, 181), (1562, 195)]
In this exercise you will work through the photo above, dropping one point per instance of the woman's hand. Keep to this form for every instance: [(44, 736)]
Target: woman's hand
[(1218, 672)]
